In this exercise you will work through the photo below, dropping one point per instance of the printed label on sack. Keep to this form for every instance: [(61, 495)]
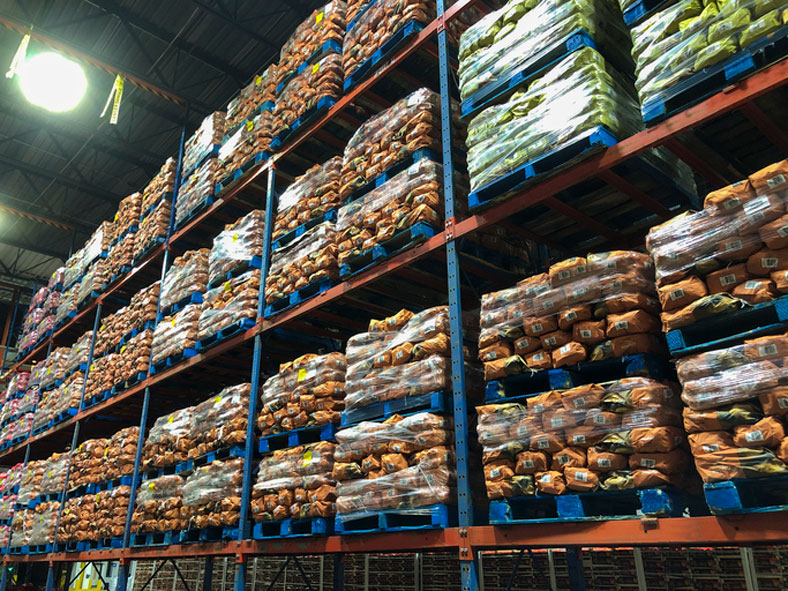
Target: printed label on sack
[(538, 357), (755, 284), (579, 292), (611, 265), (767, 350), (565, 349), (782, 402), (548, 305), (551, 341), (648, 462), (600, 419), (732, 245), (542, 444), (491, 356), (770, 262), (563, 459), (570, 315), (537, 328), (580, 402), (711, 447), (728, 279), (782, 231), (776, 180), (603, 462), (539, 408), (731, 203), (753, 436), (522, 431), (528, 463), (546, 478), (495, 473), (622, 325), (581, 476), (676, 294), (563, 274), (579, 439), (585, 333), (557, 422)]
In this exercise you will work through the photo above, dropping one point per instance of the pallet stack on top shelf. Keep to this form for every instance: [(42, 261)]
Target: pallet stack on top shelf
[(538, 164)]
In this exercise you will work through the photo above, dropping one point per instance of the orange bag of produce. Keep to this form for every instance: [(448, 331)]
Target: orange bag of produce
[(550, 482), (569, 354)]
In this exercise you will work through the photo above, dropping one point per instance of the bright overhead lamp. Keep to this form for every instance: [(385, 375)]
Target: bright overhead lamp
[(52, 82)]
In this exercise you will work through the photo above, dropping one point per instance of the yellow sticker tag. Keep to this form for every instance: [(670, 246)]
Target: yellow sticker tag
[(319, 18), (67, 511), (50, 474), (315, 68), (101, 328), (258, 81), (106, 452), (92, 366), (307, 457), (235, 237), (98, 497), (173, 321), (301, 374), (171, 419), (250, 125), (49, 370), (228, 287), (217, 400), (115, 219), (152, 485), (123, 348)]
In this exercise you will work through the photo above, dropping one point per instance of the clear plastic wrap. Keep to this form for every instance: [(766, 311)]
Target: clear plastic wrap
[(64, 397), (87, 463), (309, 258), (229, 303), (152, 227), (410, 124), (322, 79), (127, 217), (396, 464), (379, 23), (326, 23), (160, 185), (250, 139), (732, 252), (412, 196), (11, 478), (176, 333), (610, 436), (169, 440), (219, 422), (52, 368), (678, 41), (506, 40), (585, 308), (78, 353), (307, 391), (20, 427), (582, 87), (17, 384), (7, 506), (736, 407), (210, 133), (295, 482), (196, 188), (67, 303), (260, 90), (120, 454), (33, 527), (159, 506), (188, 275), (95, 517), (94, 281), (102, 237), (237, 243), (310, 196), (405, 355), (212, 494)]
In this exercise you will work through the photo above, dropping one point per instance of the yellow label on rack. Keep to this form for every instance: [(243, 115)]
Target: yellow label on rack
[(258, 80), (315, 68), (227, 287), (301, 374), (250, 125), (307, 457), (319, 18)]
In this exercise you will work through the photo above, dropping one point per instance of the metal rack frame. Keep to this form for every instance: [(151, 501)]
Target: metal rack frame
[(468, 538)]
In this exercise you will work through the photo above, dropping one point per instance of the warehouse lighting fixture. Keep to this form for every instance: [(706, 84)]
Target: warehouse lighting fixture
[(52, 82)]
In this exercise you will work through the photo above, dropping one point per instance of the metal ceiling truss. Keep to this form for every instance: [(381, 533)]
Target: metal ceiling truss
[(37, 248)]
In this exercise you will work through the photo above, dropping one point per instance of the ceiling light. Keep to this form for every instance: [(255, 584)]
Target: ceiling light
[(52, 82)]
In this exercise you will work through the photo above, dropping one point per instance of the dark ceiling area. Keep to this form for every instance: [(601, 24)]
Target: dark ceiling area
[(62, 174)]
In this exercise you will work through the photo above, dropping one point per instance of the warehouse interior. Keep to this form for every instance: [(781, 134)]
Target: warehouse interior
[(364, 295)]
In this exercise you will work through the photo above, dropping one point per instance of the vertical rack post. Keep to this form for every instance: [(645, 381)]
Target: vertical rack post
[(468, 568), (123, 570), (246, 492)]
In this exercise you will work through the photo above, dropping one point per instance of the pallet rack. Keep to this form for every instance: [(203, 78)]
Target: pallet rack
[(274, 336)]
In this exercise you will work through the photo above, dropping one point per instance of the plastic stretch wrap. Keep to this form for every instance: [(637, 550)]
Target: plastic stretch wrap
[(5, 536), (295, 482), (7, 506), (250, 139), (78, 353), (412, 196), (260, 90), (87, 463), (43, 477), (210, 133), (307, 391), (396, 464), (95, 517), (219, 421), (404, 355), (326, 23), (152, 226), (20, 427), (19, 406), (17, 384), (582, 87), (93, 282), (505, 40), (114, 369), (196, 188), (120, 256), (237, 243), (64, 397), (611, 436), (310, 196), (306, 260), (159, 506), (120, 453), (678, 41), (128, 215), (67, 303), (11, 478), (735, 250), (32, 527), (75, 265), (188, 275), (160, 185), (736, 407), (586, 308), (229, 303), (52, 368), (322, 79), (410, 124), (169, 440), (212, 494), (379, 23)]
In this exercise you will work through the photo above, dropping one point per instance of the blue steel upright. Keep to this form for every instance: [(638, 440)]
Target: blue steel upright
[(468, 566)]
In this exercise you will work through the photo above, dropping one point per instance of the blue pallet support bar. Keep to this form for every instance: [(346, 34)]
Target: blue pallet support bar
[(468, 566)]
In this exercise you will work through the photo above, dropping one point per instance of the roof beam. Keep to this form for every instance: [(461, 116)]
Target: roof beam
[(157, 32), (63, 180), (37, 248), (208, 7), (11, 205)]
